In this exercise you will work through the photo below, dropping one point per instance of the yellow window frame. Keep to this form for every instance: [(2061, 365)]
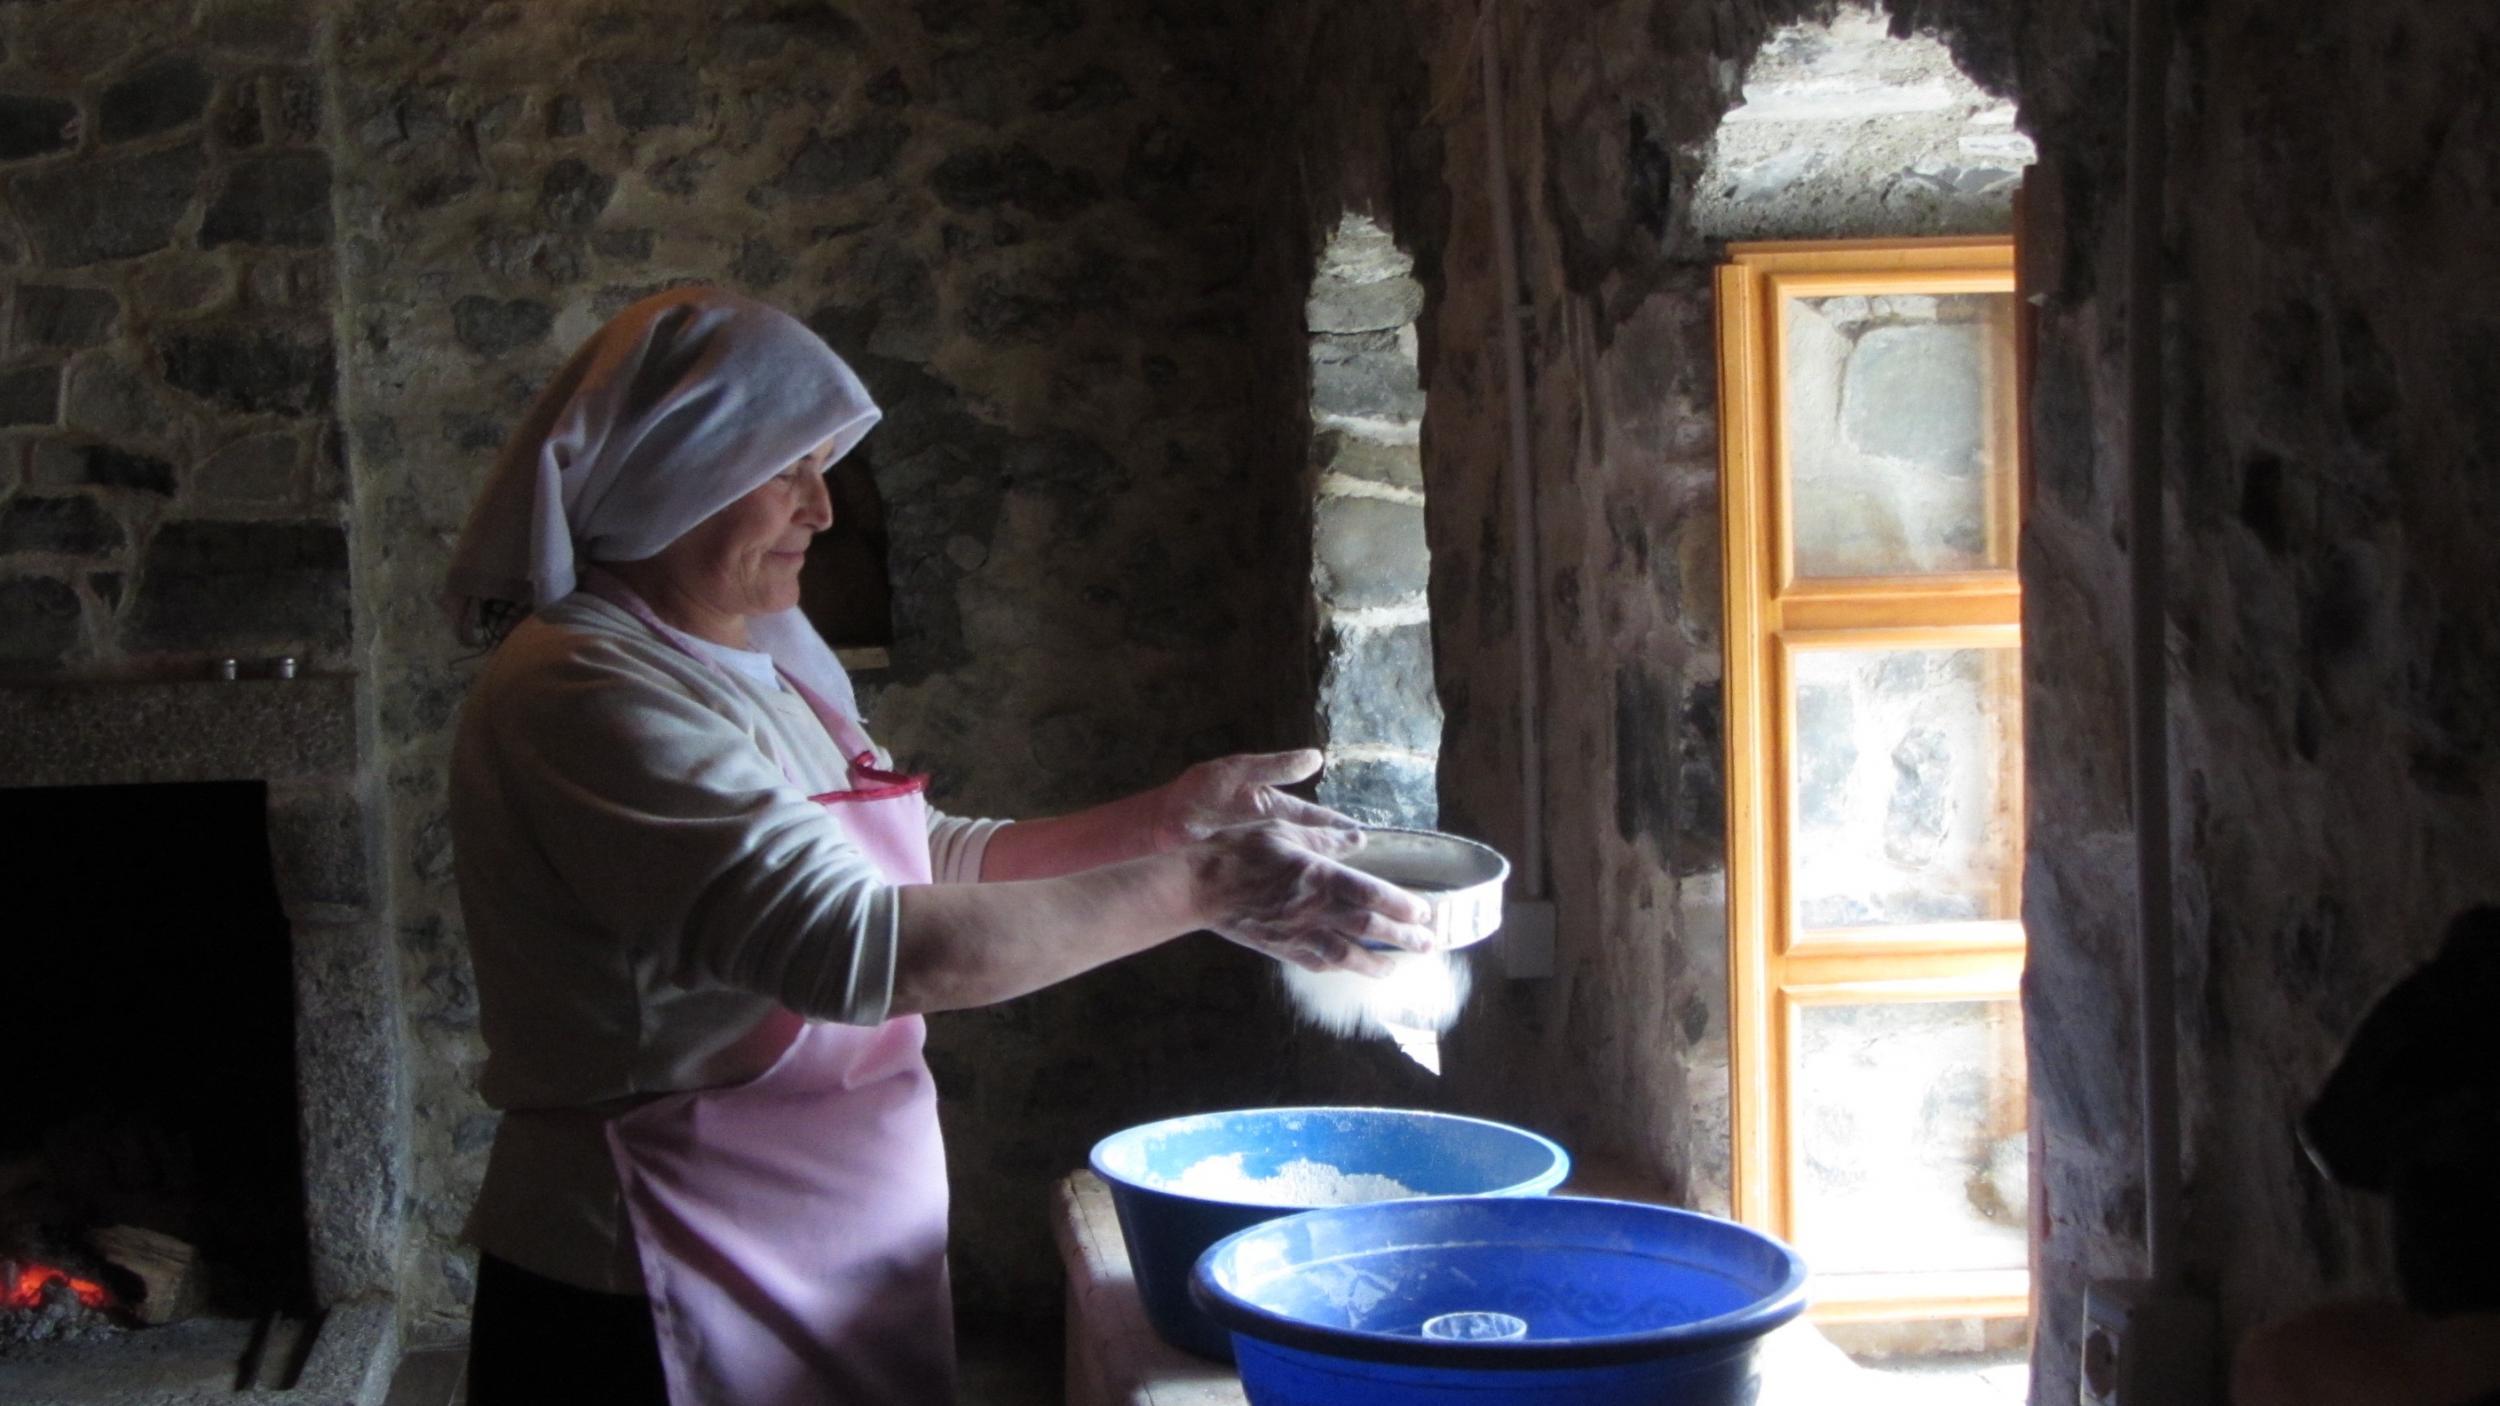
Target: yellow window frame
[(1774, 969)]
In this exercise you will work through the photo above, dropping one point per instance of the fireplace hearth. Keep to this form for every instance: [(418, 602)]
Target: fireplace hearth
[(160, 1115), (202, 1177)]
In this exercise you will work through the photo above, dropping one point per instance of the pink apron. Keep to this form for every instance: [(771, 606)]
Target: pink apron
[(792, 1229)]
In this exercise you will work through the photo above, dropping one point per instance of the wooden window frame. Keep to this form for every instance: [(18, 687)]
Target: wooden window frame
[(1771, 614)]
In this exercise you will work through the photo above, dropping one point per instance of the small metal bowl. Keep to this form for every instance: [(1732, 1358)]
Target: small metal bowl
[(1460, 878)]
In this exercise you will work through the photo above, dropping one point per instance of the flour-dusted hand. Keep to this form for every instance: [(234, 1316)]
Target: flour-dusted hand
[(1273, 886), (1239, 789)]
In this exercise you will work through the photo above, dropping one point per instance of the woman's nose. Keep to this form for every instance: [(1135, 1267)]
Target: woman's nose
[(816, 504)]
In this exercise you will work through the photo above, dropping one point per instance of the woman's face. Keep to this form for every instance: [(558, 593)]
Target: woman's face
[(744, 560)]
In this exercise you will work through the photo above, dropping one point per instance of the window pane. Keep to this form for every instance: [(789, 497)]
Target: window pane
[(1899, 413), (1906, 768), (1911, 1148)]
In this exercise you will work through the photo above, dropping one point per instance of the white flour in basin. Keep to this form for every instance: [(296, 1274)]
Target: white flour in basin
[(1300, 1182)]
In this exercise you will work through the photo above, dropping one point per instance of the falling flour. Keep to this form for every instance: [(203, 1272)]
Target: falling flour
[(1300, 1182)]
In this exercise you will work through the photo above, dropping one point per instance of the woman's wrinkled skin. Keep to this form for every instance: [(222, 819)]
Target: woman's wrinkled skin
[(1237, 790), (1272, 886), (741, 561)]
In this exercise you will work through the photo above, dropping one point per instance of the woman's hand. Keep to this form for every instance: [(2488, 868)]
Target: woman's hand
[(1271, 886), (1237, 790)]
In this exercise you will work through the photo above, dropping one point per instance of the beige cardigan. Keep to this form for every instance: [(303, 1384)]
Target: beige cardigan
[(644, 889)]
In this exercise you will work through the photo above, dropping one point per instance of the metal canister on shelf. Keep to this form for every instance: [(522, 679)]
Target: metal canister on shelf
[(226, 670), (282, 667)]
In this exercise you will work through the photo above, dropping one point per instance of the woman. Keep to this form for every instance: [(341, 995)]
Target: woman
[(707, 917)]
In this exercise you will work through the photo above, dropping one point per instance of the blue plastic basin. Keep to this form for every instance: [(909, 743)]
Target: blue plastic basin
[(1622, 1304), (1433, 1154)]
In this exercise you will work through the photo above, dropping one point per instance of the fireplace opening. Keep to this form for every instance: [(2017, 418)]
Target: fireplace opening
[(149, 1160)]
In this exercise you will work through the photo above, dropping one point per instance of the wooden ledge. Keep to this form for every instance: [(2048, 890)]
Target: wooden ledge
[(1114, 1357)]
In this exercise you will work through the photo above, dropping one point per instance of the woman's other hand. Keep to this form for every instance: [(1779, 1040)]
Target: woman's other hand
[(1272, 886), (1237, 790)]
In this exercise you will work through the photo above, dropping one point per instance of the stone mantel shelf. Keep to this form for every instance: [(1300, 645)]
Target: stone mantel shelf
[(127, 732)]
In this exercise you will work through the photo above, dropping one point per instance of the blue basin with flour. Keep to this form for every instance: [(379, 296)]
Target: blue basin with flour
[(1182, 1184)]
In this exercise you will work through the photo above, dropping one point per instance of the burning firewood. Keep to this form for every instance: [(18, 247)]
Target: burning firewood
[(165, 1270)]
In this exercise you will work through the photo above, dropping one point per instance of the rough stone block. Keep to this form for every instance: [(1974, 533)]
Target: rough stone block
[(1336, 305), (809, 28), (1017, 176), (318, 846), (282, 198), (109, 397), (274, 586), (1370, 552), (1336, 452), (759, 264), (298, 107), (104, 466), (1360, 251), (1378, 386), (275, 29), (130, 734), (1090, 89), (66, 318), (261, 370), (66, 526), (178, 281), (533, 254), (1382, 792), (825, 164), (492, 327), (1377, 688), (38, 621), (262, 468), (889, 89), (30, 395), (888, 306), (109, 208), (348, 1075), (1935, 367), (55, 463), (35, 126), (303, 281), (571, 195), (630, 245), (647, 94), (158, 98)]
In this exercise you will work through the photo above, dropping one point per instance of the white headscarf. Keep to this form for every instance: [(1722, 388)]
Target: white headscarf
[(682, 404)]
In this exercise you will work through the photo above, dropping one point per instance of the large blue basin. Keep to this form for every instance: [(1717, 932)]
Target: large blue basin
[(1499, 1302), (1166, 1225)]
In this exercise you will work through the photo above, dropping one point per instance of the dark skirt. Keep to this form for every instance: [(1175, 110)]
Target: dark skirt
[(533, 1340)]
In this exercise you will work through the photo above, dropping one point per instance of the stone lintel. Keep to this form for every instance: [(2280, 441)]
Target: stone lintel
[(103, 734)]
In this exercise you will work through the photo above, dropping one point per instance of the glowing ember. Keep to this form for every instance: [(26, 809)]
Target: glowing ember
[(25, 1289)]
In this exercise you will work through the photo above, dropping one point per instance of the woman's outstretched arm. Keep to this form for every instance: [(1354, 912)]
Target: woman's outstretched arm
[(1270, 885)]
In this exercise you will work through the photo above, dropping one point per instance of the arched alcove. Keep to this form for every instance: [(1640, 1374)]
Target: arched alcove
[(1379, 718), (1848, 132)]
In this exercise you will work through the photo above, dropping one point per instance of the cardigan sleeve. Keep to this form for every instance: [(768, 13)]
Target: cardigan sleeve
[(675, 832)]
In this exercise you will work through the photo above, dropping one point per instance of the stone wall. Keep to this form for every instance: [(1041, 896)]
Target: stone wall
[(2331, 352), (2332, 630), (169, 480)]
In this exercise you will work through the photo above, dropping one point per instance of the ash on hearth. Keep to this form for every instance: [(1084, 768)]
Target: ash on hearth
[(42, 1303)]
